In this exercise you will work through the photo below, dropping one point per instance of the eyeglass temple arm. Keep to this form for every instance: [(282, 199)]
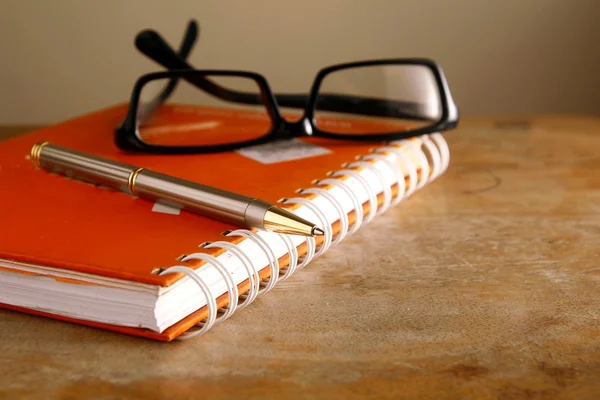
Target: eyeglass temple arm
[(150, 43), (185, 48)]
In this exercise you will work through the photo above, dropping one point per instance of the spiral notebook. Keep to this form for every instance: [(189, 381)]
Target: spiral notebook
[(89, 255)]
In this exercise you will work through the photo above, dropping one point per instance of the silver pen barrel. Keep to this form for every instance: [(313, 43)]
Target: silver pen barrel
[(204, 200)]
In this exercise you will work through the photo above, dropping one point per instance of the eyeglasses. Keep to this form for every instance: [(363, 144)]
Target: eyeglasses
[(223, 110)]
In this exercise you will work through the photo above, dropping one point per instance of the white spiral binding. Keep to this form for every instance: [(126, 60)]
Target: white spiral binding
[(436, 158), (423, 162), (365, 184), (387, 190), (293, 258), (211, 301), (442, 146), (311, 245), (232, 289), (253, 276), (343, 216), (264, 246), (406, 163), (400, 180), (358, 209), (439, 153)]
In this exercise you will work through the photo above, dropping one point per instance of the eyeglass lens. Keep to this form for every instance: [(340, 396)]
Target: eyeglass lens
[(378, 99), (194, 117)]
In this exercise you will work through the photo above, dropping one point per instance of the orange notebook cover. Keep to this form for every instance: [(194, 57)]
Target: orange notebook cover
[(59, 224)]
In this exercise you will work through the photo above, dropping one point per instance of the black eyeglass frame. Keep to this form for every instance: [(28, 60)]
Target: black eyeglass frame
[(152, 45)]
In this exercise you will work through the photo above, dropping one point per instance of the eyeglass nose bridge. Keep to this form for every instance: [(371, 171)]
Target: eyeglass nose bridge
[(289, 130)]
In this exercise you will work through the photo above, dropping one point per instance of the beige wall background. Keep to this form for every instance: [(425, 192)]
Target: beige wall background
[(63, 58)]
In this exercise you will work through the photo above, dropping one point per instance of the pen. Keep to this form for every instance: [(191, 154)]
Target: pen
[(191, 196)]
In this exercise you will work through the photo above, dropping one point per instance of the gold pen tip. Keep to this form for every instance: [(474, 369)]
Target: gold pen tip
[(317, 231), (283, 221)]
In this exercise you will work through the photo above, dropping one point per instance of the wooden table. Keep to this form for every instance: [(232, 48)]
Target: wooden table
[(483, 285)]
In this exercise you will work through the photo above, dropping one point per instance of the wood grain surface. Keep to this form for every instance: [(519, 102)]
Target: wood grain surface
[(483, 285)]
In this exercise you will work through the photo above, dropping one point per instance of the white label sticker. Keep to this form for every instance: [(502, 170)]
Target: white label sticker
[(165, 209), (282, 150)]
